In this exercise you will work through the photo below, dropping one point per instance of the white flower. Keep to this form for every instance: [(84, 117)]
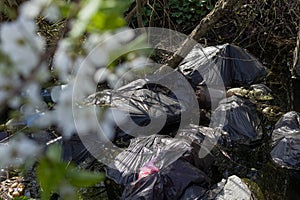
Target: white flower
[(101, 75), (63, 62), (32, 9), (98, 56), (63, 112), (86, 120), (21, 43), (124, 35), (84, 16), (17, 151), (113, 80), (33, 93), (15, 102), (52, 13), (140, 62)]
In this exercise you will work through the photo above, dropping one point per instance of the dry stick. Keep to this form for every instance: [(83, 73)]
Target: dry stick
[(295, 69), (139, 13), (296, 64), (221, 8), (133, 11)]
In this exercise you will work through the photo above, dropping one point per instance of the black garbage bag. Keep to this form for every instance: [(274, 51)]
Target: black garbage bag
[(203, 140), (226, 64), (157, 102), (286, 141), (156, 167), (163, 149), (238, 119), (179, 180), (142, 107)]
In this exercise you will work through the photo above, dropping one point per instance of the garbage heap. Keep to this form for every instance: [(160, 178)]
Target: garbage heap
[(210, 129), (236, 132)]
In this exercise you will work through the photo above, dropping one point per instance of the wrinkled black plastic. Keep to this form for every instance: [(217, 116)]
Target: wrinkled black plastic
[(234, 65), (174, 159), (286, 141), (141, 150), (172, 182), (195, 135), (74, 150), (241, 124), (143, 106), (146, 99)]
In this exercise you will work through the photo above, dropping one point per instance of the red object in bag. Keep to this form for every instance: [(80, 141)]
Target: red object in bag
[(148, 168)]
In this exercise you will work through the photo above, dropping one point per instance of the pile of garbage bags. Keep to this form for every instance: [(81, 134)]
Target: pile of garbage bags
[(161, 166), (175, 158)]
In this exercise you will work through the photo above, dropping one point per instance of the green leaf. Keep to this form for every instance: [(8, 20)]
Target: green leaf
[(101, 21), (54, 174), (82, 178), (54, 153), (22, 198), (50, 175)]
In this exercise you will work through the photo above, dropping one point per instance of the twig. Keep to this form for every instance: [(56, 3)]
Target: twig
[(139, 13), (133, 11), (221, 8)]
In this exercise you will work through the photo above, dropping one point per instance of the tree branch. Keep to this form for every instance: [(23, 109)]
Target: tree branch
[(139, 13), (222, 7), (296, 64), (133, 11)]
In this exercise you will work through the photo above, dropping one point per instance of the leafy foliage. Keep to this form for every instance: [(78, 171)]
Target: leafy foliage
[(55, 175), (181, 15)]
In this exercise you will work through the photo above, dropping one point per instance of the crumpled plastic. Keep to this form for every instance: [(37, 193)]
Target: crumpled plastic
[(222, 65), (286, 141), (161, 167), (238, 119), (149, 104)]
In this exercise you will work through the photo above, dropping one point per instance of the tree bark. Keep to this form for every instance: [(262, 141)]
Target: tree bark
[(296, 64), (133, 11), (139, 13)]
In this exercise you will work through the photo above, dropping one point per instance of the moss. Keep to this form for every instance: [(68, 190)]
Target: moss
[(255, 189)]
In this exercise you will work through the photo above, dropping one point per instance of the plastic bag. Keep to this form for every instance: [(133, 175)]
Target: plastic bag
[(150, 104), (165, 150), (232, 188), (237, 117), (286, 141), (226, 64), (195, 135), (158, 167), (179, 179)]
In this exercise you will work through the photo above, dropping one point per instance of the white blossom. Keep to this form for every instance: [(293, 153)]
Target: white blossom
[(17, 151), (21, 43), (63, 113), (33, 8), (84, 16), (86, 120), (52, 13), (101, 75), (124, 35)]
